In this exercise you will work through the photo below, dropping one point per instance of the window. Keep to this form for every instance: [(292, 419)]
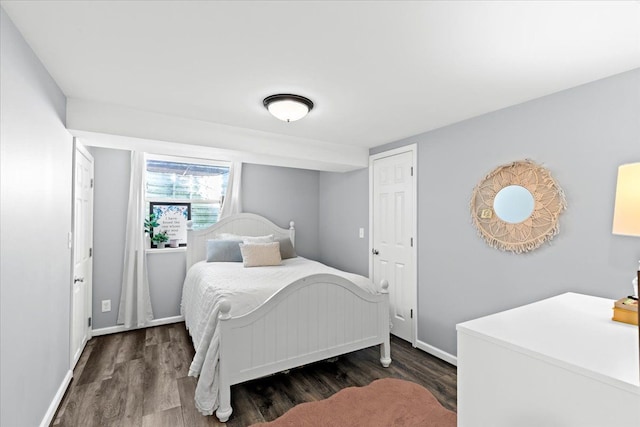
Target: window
[(199, 182)]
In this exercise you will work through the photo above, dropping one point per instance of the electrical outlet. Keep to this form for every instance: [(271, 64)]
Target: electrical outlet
[(106, 305), (361, 233)]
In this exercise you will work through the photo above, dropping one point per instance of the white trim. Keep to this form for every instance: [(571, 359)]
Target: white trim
[(404, 149), (187, 160), (381, 155), (165, 250), (79, 147), (53, 407), (76, 357), (435, 351), (121, 328)]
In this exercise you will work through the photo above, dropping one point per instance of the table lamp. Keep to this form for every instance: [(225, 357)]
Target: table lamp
[(626, 215)]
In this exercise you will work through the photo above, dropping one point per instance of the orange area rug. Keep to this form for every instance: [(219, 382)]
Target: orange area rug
[(388, 402)]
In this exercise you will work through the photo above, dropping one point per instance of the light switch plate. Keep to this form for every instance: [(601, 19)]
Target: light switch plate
[(361, 233), (106, 305)]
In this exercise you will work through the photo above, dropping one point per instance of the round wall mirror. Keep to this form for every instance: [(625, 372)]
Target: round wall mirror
[(513, 204), (516, 207)]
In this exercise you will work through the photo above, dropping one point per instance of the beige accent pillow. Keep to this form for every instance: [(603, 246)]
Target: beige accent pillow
[(260, 254)]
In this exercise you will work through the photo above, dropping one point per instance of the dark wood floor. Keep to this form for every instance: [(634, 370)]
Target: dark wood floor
[(139, 378)]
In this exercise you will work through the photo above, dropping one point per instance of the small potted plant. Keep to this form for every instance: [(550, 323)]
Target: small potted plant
[(150, 223), (160, 239)]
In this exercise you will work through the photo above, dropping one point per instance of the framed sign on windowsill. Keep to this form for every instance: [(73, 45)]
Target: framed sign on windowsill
[(172, 218)]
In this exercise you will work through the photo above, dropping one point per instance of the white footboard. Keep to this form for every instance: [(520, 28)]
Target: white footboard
[(315, 318)]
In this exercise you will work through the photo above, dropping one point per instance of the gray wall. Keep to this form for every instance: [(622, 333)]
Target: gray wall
[(35, 261), (581, 135), (279, 194), (111, 177), (344, 208), (285, 194), (166, 275)]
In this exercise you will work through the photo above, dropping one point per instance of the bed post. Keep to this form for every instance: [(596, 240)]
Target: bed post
[(189, 242), (224, 410), (385, 347), (224, 389), (292, 233)]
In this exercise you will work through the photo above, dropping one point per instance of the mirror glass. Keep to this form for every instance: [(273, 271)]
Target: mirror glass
[(513, 204), (517, 206)]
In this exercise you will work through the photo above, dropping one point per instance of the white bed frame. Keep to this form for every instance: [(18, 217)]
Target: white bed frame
[(312, 319)]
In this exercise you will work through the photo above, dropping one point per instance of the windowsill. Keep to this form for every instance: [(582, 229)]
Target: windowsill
[(165, 250)]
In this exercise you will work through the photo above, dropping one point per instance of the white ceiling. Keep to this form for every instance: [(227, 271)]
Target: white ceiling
[(377, 71)]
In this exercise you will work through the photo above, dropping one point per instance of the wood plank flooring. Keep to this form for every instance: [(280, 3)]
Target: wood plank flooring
[(139, 378)]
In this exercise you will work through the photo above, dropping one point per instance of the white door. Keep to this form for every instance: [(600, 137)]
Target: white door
[(393, 236), (82, 251)]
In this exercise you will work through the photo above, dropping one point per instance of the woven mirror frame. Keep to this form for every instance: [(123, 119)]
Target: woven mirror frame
[(540, 226)]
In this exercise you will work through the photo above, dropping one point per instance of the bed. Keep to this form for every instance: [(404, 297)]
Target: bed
[(247, 323)]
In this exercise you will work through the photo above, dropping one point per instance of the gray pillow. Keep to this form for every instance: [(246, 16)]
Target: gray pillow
[(286, 249), (224, 251)]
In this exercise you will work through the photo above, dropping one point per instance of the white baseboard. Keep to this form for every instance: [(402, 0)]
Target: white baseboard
[(121, 328), (435, 351), (53, 407)]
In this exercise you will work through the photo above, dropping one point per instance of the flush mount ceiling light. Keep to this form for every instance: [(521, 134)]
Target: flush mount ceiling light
[(287, 107)]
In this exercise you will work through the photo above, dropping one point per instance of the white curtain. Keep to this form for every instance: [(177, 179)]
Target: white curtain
[(135, 302), (232, 204)]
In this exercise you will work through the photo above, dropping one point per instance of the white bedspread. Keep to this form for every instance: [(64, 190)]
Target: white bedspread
[(207, 284)]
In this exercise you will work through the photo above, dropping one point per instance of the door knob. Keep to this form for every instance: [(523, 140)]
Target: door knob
[(78, 279), (375, 251)]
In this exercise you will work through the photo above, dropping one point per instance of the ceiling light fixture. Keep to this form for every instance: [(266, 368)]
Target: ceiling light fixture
[(287, 107)]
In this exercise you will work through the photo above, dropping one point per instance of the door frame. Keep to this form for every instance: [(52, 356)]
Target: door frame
[(414, 224), (78, 146)]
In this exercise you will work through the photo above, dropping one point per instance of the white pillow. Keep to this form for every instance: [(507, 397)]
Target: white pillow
[(228, 236), (257, 239), (260, 254), (249, 239)]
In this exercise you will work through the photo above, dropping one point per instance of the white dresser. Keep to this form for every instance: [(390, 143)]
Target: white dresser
[(558, 362)]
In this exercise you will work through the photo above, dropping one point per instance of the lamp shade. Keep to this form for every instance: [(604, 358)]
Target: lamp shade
[(626, 216), (288, 107)]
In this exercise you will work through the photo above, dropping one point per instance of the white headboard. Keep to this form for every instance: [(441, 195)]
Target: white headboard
[(243, 224)]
